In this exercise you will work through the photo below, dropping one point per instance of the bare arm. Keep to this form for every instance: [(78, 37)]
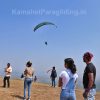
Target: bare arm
[(28, 72), (60, 82), (91, 79), (75, 81), (8, 70), (49, 70)]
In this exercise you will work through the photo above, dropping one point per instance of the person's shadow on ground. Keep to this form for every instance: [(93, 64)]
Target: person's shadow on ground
[(18, 96)]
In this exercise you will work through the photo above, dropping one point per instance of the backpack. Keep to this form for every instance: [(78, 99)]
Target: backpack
[(22, 75), (53, 74)]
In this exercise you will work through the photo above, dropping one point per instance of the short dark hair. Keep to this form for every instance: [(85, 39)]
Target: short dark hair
[(70, 64), (28, 64), (88, 56), (53, 67), (8, 64)]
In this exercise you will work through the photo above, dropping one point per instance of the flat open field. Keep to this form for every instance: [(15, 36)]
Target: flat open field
[(39, 91)]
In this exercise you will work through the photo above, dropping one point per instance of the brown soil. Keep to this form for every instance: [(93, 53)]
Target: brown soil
[(39, 91)]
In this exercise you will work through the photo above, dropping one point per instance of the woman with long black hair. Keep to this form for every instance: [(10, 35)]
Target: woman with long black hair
[(67, 80)]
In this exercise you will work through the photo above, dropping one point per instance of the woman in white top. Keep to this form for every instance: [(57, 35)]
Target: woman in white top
[(67, 80), (28, 73)]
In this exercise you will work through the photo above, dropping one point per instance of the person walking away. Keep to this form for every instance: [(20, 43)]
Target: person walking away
[(89, 77), (7, 76), (53, 76), (67, 80), (28, 73)]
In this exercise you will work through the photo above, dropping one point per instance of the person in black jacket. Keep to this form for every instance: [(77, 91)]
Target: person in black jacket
[(53, 76)]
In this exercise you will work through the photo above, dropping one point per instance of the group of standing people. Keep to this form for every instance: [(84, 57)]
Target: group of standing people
[(67, 79), (28, 78)]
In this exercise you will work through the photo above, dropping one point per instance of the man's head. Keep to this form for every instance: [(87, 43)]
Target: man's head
[(53, 67), (8, 65), (87, 57)]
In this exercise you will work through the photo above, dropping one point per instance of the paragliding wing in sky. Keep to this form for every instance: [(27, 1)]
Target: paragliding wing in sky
[(42, 24)]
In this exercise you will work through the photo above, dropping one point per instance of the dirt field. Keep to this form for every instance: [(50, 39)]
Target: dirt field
[(39, 91)]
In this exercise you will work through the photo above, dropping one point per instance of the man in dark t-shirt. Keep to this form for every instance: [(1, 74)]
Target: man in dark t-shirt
[(90, 68), (89, 77)]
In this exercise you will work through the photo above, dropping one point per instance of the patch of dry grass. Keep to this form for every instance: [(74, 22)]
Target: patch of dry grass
[(39, 91)]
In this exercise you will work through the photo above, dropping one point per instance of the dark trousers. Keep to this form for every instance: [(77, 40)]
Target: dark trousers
[(6, 78)]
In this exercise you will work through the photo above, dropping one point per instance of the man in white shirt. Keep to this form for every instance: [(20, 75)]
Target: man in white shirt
[(8, 71)]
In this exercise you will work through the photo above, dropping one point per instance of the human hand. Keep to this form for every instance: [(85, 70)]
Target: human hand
[(85, 94)]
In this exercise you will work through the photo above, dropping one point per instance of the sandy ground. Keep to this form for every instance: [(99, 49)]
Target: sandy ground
[(39, 91)]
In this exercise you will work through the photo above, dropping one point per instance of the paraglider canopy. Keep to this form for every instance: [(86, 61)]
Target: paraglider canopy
[(42, 24)]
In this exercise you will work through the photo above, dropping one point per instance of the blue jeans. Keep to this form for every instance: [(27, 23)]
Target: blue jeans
[(67, 95), (53, 82), (91, 95), (27, 84)]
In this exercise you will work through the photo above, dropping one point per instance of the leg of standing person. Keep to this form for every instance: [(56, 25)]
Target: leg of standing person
[(25, 85), (72, 96), (54, 82), (29, 88), (4, 81), (8, 81), (64, 95)]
